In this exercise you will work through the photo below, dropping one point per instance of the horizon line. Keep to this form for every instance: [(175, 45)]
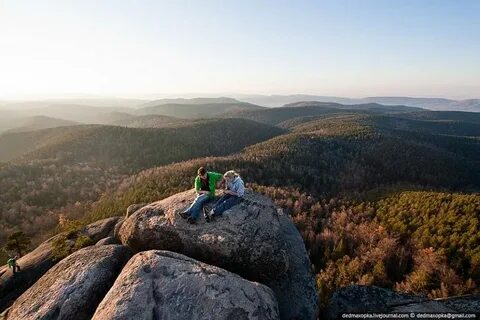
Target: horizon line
[(193, 95)]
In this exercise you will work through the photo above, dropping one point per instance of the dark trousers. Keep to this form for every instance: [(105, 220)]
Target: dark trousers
[(224, 203), (15, 269)]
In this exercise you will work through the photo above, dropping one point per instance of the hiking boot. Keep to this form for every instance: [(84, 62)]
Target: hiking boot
[(191, 220), (184, 214), (206, 215)]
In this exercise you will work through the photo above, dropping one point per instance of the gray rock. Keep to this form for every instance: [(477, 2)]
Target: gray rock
[(246, 240), (357, 298), (166, 285), (426, 306), (467, 304), (73, 288), (101, 229), (117, 227), (35, 263), (107, 240), (133, 208), (3, 315), (295, 291)]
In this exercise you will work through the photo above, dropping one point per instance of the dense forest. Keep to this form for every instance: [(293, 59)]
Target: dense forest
[(389, 199)]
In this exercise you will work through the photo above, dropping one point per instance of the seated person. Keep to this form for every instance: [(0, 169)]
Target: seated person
[(233, 195), (205, 185)]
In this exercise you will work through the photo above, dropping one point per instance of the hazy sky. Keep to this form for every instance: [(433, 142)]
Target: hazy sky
[(347, 48)]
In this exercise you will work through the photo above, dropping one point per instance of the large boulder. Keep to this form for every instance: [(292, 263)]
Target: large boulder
[(133, 208), (360, 299), (107, 240), (101, 228), (116, 228), (34, 264), (246, 240), (73, 288), (295, 290), (166, 285)]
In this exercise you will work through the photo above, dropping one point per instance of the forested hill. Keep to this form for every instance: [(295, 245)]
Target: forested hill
[(375, 107), (63, 170), (275, 116), (466, 127), (206, 110), (132, 148), (444, 116), (37, 123), (149, 121), (345, 155)]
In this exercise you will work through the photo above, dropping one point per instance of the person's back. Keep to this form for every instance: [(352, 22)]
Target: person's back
[(233, 195), (237, 185)]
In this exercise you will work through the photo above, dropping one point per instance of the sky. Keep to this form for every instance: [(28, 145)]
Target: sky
[(425, 48)]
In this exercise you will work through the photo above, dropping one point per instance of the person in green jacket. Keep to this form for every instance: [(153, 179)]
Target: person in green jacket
[(205, 185), (12, 263)]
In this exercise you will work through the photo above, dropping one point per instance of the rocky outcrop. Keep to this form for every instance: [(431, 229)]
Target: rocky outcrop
[(73, 288), (37, 262), (101, 229), (107, 240), (295, 290), (117, 227), (167, 285), (467, 304), (246, 241), (254, 241), (463, 304), (356, 298), (33, 265), (134, 208)]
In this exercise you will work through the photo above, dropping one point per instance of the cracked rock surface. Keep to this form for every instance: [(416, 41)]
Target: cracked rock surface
[(165, 285)]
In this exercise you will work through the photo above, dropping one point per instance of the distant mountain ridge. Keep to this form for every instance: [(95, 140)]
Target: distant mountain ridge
[(189, 101), (40, 122), (206, 110), (91, 102), (148, 121), (79, 113), (275, 116), (372, 106), (440, 104)]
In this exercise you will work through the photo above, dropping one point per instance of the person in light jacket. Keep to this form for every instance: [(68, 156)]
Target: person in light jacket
[(233, 195)]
